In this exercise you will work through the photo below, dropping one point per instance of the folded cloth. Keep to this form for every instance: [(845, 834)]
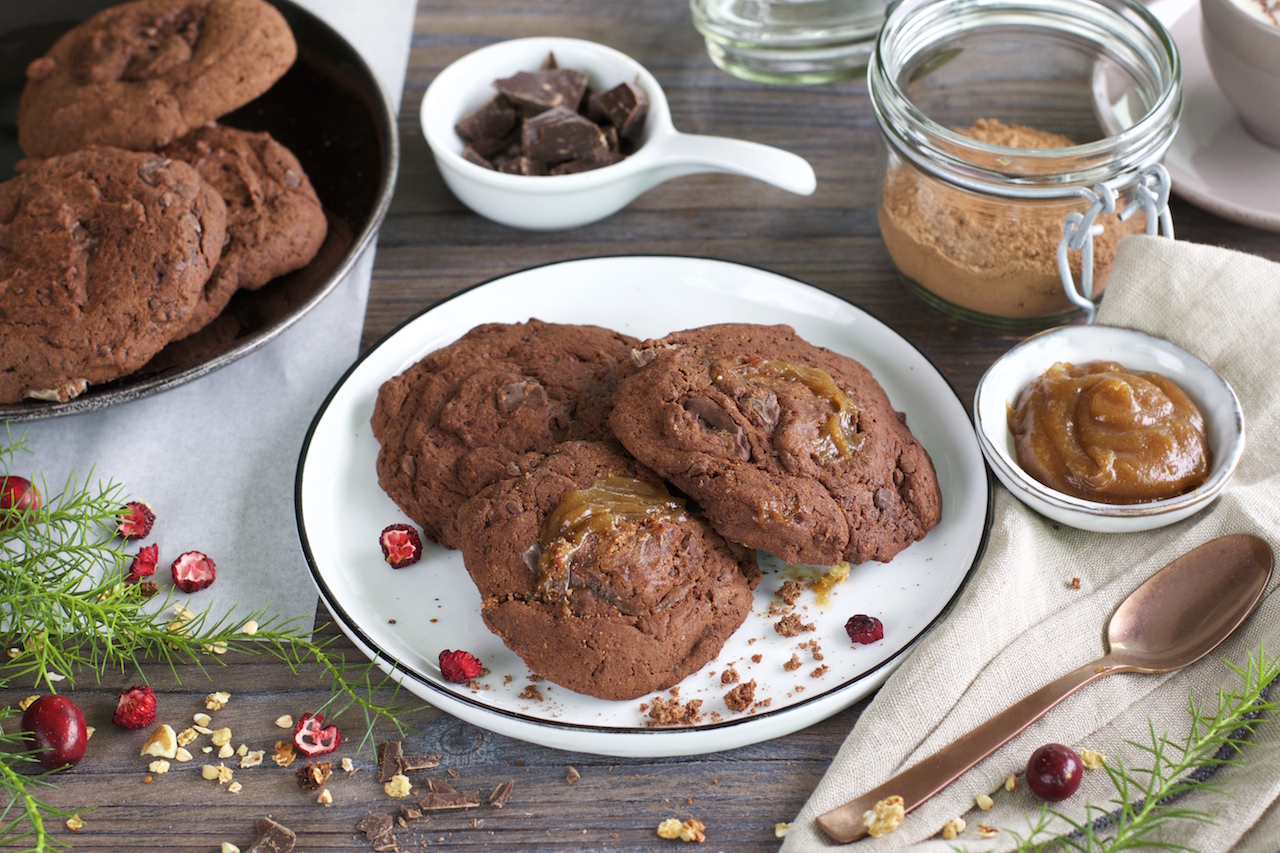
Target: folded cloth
[(1018, 623)]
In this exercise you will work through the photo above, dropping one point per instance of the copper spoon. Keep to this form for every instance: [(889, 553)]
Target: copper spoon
[(1179, 615)]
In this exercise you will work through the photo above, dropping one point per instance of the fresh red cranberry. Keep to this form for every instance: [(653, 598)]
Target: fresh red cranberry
[(864, 629), (1054, 772), (57, 729), (19, 501)]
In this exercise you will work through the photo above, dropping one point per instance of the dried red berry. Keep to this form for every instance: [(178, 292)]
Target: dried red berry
[(310, 739), (135, 520), (1054, 771), (401, 545), (192, 571), (19, 501), (864, 629), (58, 733), (136, 708), (144, 563), (459, 666)]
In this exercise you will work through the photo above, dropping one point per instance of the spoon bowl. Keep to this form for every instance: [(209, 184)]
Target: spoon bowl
[(546, 203), (1176, 617)]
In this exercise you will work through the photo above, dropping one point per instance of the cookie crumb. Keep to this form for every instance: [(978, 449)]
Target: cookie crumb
[(790, 592), (791, 626), (741, 697), (729, 676), (793, 664), (1075, 583)]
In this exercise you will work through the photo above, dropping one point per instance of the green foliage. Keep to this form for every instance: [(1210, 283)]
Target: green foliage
[(65, 609), (1150, 797)]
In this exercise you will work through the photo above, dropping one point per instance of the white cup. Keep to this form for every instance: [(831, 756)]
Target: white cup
[(1244, 54)]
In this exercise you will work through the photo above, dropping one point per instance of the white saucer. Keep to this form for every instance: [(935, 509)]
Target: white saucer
[(1215, 163)]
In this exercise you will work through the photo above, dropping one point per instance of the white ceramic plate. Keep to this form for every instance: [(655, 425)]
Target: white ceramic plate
[(1215, 163), (1000, 386), (405, 618)]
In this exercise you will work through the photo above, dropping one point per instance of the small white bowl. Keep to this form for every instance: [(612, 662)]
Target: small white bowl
[(1000, 386), (548, 203)]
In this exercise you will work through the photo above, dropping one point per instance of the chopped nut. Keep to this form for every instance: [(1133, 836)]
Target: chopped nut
[(206, 749), (669, 828), (284, 753), (163, 743), (88, 732), (252, 759), (220, 737), (235, 787), (242, 750), (313, 775), (187, 735), (217, 647), (952, 828), (250, 628), (225, 751), (1091, 760), (325, 798), (182, 755), (228, 847), (209, 772), (22, 706), (1011, 784), (158, 766), (201, 719), (984, 802), (690, 830), (780, 830), (217, 701), (884, 816), (986, 830), (347, 766), (572, 776), (202, 730), (398, 787), (220, 772), (74, 823), (284, 721)]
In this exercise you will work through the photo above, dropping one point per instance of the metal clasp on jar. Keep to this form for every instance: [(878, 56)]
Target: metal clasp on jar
[(1150, 195)]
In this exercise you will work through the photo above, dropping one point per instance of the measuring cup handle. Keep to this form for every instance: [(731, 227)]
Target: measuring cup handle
[(691, 154)]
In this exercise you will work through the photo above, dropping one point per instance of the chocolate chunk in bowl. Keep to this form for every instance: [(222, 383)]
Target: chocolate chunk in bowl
[(328, 109)]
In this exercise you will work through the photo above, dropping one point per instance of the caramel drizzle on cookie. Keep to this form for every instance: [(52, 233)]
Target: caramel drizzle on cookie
[(839, 438), (604, 506)]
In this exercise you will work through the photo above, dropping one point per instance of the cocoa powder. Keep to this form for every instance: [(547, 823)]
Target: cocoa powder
[(995, 256)]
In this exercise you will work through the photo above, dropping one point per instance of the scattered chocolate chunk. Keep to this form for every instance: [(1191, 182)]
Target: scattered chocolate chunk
[(454, 800), (439, 786), (409, 812), (453, 773), (549, 64), (523, 166), (409, 763), (624, 106), (472, 156), (501, 794), (495, 119), (390, 760), (375, 825), (272, 837), (535, 92), (313, 775), (741, 697), (572, 167), (385, 844), (560, 134)]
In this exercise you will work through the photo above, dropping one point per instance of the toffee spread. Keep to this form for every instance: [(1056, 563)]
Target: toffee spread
[(839, 438), (1103, 433), (602, 509)]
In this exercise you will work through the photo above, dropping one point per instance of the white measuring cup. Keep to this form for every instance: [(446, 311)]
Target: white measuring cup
[(547, 203)]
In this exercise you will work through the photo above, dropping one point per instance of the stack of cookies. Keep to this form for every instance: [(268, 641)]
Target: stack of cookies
[(136, 216), (608, 495)]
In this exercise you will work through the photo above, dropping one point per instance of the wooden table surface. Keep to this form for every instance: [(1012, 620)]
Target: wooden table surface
[(431, 247)]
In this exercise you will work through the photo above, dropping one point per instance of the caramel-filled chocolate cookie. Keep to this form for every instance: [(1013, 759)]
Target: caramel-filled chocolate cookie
[(598, 578), (787, 447), (275, 223), (103, 257), (486, 406), (139, 75)]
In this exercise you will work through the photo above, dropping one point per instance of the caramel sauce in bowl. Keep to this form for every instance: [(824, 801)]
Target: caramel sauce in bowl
[(1178, 373)]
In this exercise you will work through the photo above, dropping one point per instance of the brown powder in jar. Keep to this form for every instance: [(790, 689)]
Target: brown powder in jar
[(996, 257)]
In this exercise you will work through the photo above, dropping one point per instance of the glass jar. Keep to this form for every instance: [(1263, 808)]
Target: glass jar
[(1017, 138)]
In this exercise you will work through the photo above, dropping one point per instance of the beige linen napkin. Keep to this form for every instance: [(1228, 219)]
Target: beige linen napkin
[(1018, 623)]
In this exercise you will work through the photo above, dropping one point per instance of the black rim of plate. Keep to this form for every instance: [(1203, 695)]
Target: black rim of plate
[(354, 632)]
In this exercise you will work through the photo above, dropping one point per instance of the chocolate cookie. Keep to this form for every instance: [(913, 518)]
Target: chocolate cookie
[(472, 413), (598, 578), (103, 255), (274, 220), (141, 74), (787, 447)]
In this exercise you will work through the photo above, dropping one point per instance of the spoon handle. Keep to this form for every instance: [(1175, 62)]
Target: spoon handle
[(923, 780), (691, 154)]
